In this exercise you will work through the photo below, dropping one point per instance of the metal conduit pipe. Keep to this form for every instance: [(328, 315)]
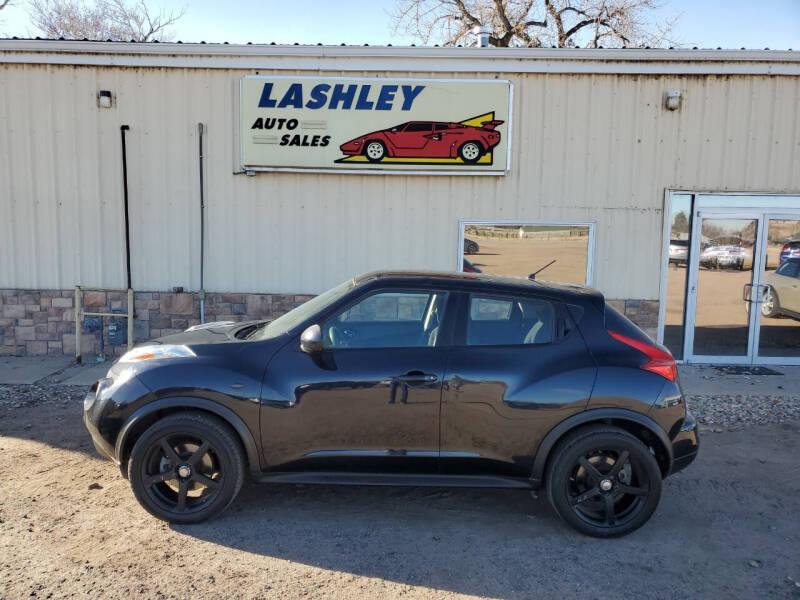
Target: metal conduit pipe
[(202, 292)]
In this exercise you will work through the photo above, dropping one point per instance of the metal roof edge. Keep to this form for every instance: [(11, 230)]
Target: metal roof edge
[(403, 58)]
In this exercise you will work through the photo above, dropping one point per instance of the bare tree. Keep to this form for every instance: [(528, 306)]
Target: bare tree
[(535, 23), (118, 20)]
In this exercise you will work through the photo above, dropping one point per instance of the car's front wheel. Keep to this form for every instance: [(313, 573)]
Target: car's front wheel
[(603, 481), (770, 306), (186, 467), (375, 150)]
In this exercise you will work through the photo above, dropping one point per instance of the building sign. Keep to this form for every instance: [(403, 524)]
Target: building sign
[(452, 126)]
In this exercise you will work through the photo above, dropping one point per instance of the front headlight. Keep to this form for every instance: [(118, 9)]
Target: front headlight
[(156, 351)]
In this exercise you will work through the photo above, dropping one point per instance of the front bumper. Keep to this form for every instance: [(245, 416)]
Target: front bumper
[(106, 406), (102, 446)]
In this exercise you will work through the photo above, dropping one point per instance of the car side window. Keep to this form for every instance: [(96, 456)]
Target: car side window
[(510, 321), (419, 127), (396, 319), (790, 268)]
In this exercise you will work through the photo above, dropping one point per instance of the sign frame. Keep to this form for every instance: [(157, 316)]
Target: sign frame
[(377, 171)]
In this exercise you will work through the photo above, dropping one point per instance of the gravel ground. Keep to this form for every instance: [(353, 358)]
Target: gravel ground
[(735, 412), (727, 527)]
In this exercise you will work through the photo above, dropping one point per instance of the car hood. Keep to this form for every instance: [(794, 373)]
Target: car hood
[(211, 333)]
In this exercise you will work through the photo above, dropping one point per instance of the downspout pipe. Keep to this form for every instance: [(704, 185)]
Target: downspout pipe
[(122, 130), (202, 293)]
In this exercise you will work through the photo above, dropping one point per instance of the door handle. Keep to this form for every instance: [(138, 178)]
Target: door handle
[(416, 377)]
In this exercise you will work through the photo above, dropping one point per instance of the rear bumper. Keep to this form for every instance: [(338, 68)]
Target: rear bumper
[(685, 445)]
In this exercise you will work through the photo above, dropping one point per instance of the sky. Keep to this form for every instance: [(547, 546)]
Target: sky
[(704, 23)]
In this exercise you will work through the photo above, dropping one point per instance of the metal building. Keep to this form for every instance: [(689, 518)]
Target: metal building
[(606, 146)]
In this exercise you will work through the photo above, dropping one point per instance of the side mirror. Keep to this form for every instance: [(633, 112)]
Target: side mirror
[(311, 340)]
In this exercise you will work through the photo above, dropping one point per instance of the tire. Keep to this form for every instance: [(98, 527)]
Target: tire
[(470, 152), (770, 306), (578, 493), (470, 247), (375, 150), (172, 445)]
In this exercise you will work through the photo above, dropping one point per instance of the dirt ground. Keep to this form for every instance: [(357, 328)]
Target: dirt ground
[(70, 528)]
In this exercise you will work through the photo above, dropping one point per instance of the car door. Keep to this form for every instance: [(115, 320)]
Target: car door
[(413, 137), (518, 367), (370, 400)]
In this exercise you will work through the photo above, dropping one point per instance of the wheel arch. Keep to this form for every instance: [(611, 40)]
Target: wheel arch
[(641, 426), (145, 416)]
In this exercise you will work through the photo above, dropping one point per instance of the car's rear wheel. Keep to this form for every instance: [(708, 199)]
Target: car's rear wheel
[(470, 152), (375, 150), (603, 481), (186, 468)]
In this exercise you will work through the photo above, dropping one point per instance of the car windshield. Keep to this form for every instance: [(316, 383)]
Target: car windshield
[(296, 316)]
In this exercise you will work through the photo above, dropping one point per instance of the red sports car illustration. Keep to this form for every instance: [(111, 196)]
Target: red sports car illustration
[(426, 139)]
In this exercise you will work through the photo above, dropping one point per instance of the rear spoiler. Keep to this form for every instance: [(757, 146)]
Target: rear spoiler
[(490, 124)]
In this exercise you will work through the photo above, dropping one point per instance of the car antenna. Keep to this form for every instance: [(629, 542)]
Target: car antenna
[(533, 275)]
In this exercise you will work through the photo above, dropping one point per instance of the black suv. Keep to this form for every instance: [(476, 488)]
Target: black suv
[(396, 378)]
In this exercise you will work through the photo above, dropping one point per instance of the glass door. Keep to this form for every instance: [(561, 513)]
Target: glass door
[(722, 310), (778, 293)]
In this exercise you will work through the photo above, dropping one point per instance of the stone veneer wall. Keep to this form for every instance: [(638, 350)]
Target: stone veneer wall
[(37, 322)]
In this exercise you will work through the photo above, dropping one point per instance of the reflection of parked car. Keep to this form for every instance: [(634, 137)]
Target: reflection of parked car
[(470, 268), (782, 296), (471, 246), (678, 251), (721, 257), (426, 139), (790, 250)]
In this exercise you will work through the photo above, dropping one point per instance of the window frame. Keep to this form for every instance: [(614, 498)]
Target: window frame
[(443, 341), (590, 246)]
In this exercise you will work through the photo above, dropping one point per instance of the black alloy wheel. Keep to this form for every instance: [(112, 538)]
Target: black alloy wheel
[(604, 481), (186, 467)]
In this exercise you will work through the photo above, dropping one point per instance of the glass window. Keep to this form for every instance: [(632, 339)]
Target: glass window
[(387, 320), (419, 127), (677, 274), (489, 309), (510, 322), (791, 268), (554, 252), (388, 306)]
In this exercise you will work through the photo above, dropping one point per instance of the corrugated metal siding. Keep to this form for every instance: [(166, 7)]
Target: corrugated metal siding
[(585, 147)]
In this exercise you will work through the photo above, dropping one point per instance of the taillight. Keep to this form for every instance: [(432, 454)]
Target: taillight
[(660, 362), (785, 248)]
